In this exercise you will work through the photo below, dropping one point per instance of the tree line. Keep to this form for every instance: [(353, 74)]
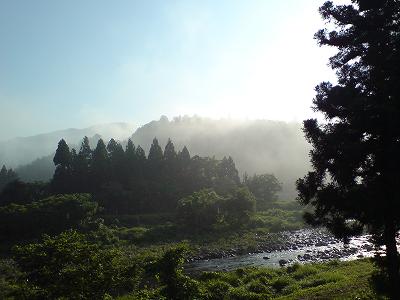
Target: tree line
[(6, 176), (128, 181)]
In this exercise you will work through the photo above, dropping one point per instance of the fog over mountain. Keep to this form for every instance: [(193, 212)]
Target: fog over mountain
[(257, 146), (23, 150)]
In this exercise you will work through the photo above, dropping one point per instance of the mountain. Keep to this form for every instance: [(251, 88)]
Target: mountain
[(257, 146), (23, 150)]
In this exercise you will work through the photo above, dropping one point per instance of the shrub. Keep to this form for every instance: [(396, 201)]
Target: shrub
[(71, 267), (51, 215)]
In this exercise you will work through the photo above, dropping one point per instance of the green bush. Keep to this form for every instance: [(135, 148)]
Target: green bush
[(201, 210), (216, 290), (281, 282), (240, 293), (133, 234), (71, 267), (51, 215), (304, 271)]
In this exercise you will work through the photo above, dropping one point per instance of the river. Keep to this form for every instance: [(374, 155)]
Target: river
[(302, 246)]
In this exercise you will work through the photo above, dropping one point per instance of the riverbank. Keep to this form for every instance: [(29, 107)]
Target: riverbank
[(332, 280), (285, 248)]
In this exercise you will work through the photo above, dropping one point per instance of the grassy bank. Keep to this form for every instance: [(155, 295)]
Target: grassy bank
[(261, 232), (333, 280)]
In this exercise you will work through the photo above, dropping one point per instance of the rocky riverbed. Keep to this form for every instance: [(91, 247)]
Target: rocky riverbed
[(306, 245)]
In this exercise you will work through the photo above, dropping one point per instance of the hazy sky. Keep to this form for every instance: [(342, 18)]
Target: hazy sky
[(76, 63)]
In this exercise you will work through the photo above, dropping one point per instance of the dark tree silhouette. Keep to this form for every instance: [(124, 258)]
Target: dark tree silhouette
[(264, 187), (6, 176), (155, 153), (100, 165), (184, 155), (117, 160), (355, 157), (62, 157), (130, 168), (169, 152), (62, 174), (126, 181), (140, 154), (19, 192), (82, 165), (227, 176)]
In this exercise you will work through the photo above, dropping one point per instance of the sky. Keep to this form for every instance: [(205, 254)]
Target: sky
[(77, 63)]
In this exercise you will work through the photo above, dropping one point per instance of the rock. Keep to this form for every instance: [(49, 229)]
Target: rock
[(368, 247), (265, 257), (321, 243), (282, 262)]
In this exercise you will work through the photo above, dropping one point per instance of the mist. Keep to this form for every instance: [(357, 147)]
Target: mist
[(256, 146), (23, 150)]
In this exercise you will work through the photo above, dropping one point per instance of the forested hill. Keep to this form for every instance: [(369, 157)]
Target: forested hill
[(24, 150), (257, 146)]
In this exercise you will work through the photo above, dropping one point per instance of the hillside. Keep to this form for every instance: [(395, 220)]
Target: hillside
[(23, 150), (257, 146)]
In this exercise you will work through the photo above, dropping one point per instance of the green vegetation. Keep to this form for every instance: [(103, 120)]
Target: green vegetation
[(6, 176), (354, 182), (114, 223), (334, 280), (51, 215), (123, 238)]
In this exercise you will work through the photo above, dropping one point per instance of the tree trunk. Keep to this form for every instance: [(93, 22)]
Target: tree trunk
[(392, 262)]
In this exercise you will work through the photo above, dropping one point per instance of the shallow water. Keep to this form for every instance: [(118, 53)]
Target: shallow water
[(306, 245)]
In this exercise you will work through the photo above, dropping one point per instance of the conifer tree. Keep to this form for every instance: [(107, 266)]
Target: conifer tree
[(140, 154), (169, 152), (6, 176), (82, 165), (62, 158), (184, 155), (130, 159), (155, 153), (130, 151), (61, 182), (116, 156), (100, 165), (85, 152), (355, 157)]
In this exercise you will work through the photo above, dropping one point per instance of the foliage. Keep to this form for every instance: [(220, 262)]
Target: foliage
[(276, 220), (355, 177), (128, 182), (68, 266), (6, 176), (13, 284), (240, 205), (264, 188), (176, 285), (50, 215), (19, 192), (201, 210), (349, 280), (204, 209)]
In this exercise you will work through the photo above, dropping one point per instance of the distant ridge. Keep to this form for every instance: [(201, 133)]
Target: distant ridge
[(257, 146), (23, 150)]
